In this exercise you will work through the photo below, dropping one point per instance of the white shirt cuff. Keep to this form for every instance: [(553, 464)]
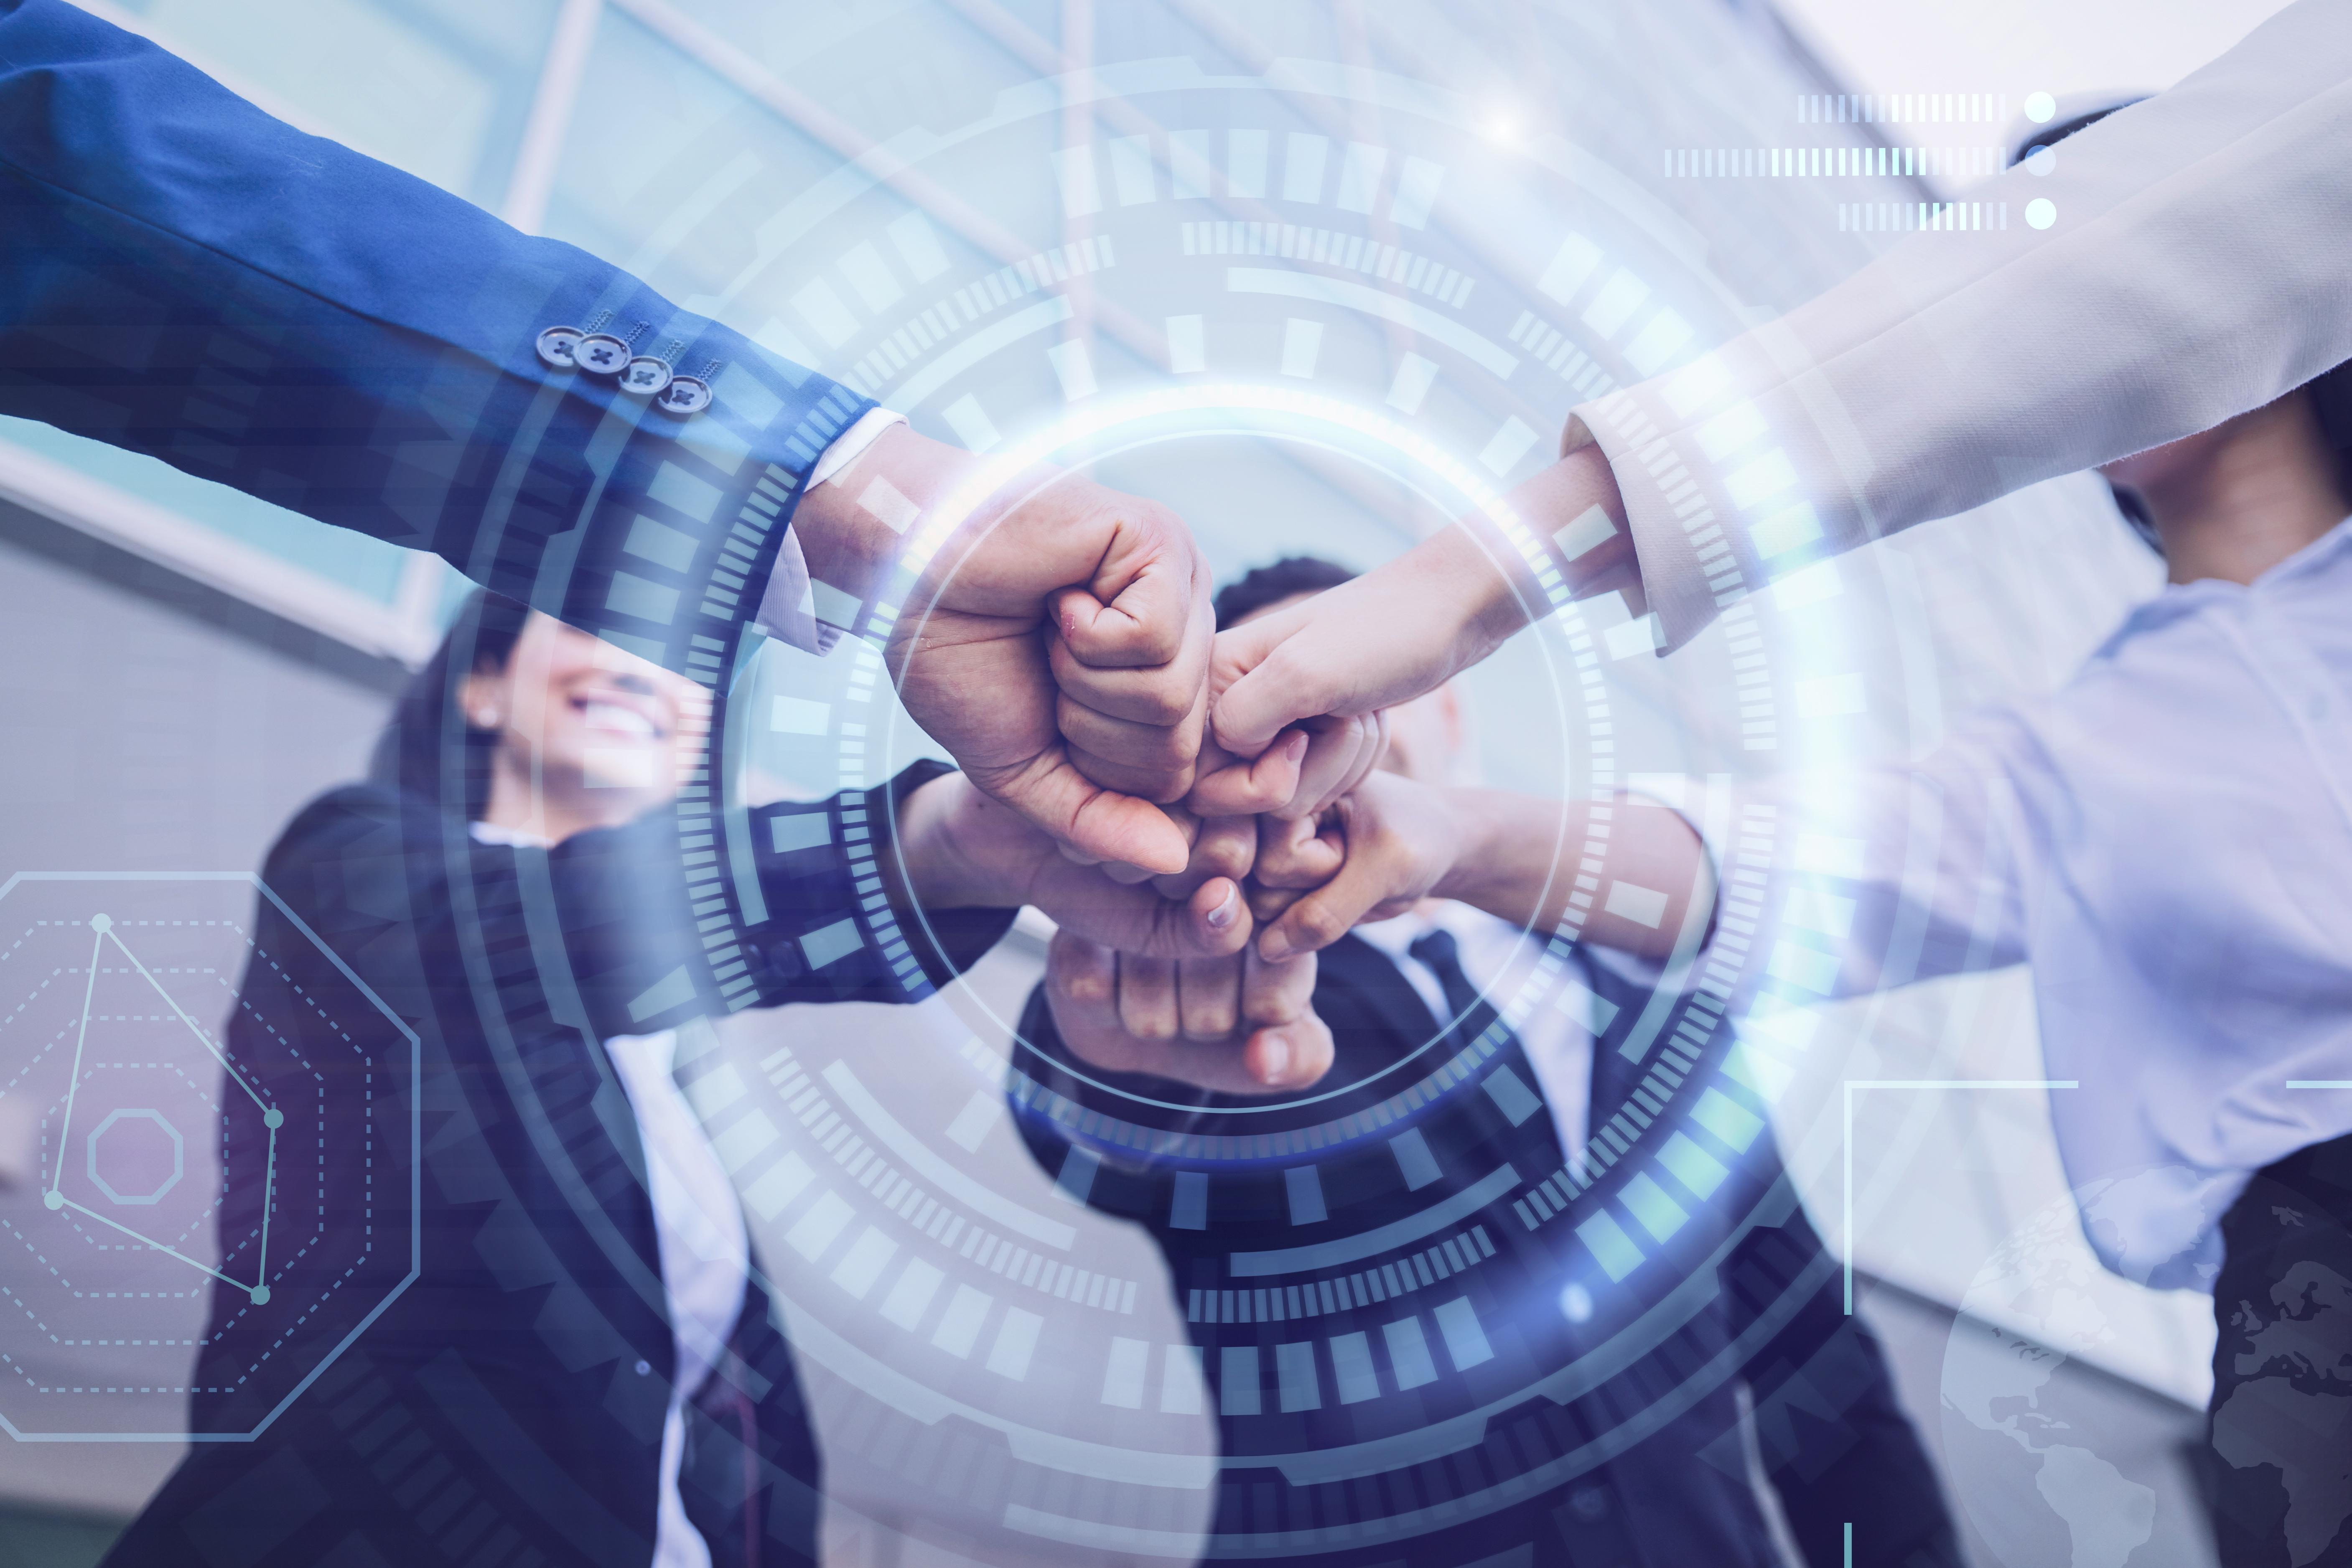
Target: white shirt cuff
[(851, 444), (808, 615)]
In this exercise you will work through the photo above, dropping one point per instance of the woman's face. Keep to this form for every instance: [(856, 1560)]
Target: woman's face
[(578, 717)]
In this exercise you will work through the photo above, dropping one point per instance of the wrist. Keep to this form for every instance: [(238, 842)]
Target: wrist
[(1427, 829), (1473, 582), (934, 868), (1575, 527), (1490, 851), (853, 527)]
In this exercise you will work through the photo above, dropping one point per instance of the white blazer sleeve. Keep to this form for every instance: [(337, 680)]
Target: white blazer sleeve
[(2200, 264), (1877, 877)]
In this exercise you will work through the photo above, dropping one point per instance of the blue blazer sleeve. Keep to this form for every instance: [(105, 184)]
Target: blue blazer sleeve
[(184, 276)]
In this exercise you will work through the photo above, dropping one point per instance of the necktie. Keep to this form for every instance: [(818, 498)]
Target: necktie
[(1438, 953), (1548, 1137)]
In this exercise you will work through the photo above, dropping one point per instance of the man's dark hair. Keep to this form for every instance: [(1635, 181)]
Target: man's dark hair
[(1259, 586), (430, 748)]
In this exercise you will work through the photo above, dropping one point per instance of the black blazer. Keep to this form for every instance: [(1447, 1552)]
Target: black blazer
[(1834, 1440), (482, 1378)]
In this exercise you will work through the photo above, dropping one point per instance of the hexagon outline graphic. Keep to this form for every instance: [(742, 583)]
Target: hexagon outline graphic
[(179, 1155), (416, 1166)]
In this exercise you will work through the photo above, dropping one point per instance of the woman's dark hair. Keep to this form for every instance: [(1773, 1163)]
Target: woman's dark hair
[(430, 748), (1292, 575), (2331, 400)]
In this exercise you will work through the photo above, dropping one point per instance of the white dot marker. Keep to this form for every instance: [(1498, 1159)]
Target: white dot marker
[(2041, 162), (260, 1294), (54, 1199), (273, 1117), (2040, 107), (2040, 213), (101, 924)]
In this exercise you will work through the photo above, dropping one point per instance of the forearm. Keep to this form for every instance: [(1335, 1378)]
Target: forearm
[(189, 278), (933, 867), (1561, 533), (1634, 873), (825, 936), (1410, 625), (1494, 572), (2190, 270)]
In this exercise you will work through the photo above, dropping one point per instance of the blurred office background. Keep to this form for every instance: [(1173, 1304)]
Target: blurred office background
[(187, 665)]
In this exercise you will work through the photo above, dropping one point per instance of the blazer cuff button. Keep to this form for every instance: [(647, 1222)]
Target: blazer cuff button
[(558, 345), (646, 376), (685, 395), (602, 353)]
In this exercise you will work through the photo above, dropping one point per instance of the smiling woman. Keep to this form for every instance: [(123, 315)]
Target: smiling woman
[(582, 1349), (498, 885), (557, 730)]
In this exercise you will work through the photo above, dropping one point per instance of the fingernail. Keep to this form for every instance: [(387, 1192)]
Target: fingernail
[(1274, 947), (1273, 1059), (1223, 915)]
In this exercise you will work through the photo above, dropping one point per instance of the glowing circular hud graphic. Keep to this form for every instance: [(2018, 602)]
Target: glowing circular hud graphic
[(1310, 278), (1380, 1326)]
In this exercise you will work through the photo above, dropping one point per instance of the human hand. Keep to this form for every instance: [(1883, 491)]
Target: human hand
[(1521, 858), (959, 849), (1310, 767), (1235, 1025), (1056, 645), (1219, 846), (1381, 849), (1406, 627)]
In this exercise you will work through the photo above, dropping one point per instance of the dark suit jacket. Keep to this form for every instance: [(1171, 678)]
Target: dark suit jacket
[(2281, 1342), (1637, 1460), (470, 1361)]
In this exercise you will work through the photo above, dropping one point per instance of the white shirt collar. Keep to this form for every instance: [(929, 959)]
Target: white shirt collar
[(510, 838), (1395, 936), (2178, 601)]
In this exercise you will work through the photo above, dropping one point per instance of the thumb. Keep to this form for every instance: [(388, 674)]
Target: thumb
[(1262, 684), (1245, 788), (1325, 915), (1099, 823)]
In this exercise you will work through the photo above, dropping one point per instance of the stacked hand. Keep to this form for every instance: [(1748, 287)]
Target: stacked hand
[(1057, 645), (1160, 790)]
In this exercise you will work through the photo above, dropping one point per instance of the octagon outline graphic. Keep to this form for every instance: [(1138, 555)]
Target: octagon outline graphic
[(179, 1154)]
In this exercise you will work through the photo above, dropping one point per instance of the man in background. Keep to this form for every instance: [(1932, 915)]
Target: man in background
[(1834, 1440)]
